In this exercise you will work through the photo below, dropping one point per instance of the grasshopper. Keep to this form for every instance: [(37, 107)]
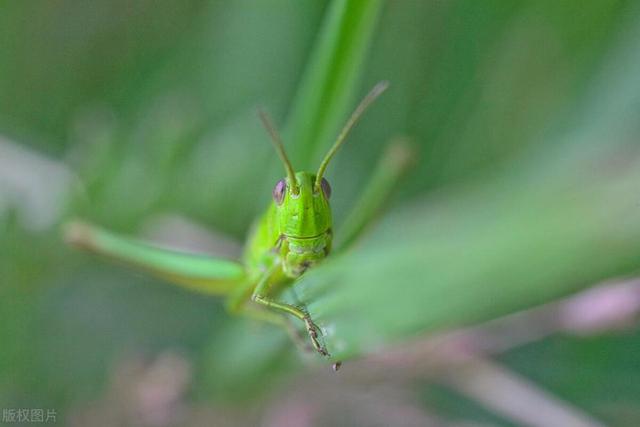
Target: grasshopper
[(293, 235)]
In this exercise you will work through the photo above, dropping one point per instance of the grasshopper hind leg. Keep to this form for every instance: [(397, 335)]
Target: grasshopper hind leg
[(395, 161)]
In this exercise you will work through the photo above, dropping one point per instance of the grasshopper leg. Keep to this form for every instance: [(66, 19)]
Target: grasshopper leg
[(394, 162), (261, 296), (200, 273), (236, 303)]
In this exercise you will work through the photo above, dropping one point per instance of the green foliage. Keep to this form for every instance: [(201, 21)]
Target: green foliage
[(525, 116), (331, 77)]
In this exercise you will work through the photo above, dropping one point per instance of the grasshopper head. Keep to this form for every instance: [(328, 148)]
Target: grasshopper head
[(302, 210), (303, 215), (302, 200)]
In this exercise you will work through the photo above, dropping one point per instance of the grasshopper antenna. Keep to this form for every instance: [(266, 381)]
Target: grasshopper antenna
[(342, 136), (277, 143)]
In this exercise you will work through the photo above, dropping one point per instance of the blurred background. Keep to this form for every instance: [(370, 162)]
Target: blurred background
[(497, 289)]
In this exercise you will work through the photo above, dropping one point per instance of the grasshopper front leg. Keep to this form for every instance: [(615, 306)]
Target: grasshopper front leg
[(261, 295), (238, 302)]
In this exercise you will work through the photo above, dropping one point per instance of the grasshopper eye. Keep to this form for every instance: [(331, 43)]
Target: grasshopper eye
[(278, 191), (326, 188)]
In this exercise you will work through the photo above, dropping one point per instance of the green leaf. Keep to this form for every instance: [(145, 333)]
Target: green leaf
[(472, 257), (331, 79), (558, 220)]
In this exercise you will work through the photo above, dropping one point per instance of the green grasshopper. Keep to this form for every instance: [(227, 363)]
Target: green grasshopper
[(294, 234)]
